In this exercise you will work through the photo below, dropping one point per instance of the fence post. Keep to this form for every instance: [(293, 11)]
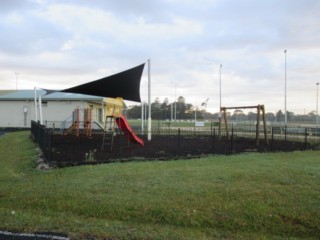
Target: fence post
[(179, 133), (305, 138), (50, 146), (285, 133), (213, 139), (231, 139), (38, 132), (271, 139)]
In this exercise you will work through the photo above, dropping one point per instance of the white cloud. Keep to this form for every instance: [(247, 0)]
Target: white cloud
[(13, 18), (53, 44)]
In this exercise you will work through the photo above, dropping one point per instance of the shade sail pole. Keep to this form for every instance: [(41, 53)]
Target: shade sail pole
[(40, 109), (149, 100), (142, 116), (35, 105)]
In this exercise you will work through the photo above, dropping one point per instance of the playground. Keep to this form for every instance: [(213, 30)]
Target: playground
[(81, 140), (98, 146), (215, 197)]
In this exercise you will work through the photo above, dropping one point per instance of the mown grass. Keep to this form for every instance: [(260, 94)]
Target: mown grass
[(173, 124), (248, 196)]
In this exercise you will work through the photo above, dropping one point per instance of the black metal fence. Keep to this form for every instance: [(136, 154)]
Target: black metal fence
[(69, 149)]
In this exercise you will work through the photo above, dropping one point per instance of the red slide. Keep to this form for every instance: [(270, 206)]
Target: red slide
[(125, 127)]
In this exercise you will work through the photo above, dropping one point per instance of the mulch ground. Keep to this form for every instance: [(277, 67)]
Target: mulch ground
[(77, 150)]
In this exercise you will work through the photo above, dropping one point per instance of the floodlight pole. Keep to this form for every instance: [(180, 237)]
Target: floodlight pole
[(317, 121), (16, 73), (175, 102), (285, 87), (149, 100), (220, 113), (220, 86)]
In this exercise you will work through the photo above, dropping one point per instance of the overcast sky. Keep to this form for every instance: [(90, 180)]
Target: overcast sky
[(60, 44)]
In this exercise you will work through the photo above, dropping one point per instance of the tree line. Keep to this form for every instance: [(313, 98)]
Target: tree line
[(181, 110)]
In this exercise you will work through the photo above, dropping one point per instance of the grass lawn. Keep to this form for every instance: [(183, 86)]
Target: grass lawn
[(173, 124), (247, 196)]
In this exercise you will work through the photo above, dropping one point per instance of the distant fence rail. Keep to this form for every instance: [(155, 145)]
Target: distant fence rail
[(167, 143)]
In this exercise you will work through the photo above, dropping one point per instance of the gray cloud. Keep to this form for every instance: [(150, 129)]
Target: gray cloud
[(54, 43), (16, 5)]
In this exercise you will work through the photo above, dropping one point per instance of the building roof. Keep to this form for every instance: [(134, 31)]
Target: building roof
[(18, 95)]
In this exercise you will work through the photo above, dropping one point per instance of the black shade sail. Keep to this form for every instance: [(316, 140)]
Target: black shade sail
[(125, 84)]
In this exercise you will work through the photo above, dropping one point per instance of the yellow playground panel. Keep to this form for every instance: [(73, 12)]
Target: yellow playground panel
[(113, 107)]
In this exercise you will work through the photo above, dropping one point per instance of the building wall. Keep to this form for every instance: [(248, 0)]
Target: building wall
[(12, 113), (20, 113), (59, 110)]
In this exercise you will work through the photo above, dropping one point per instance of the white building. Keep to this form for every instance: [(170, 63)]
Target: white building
[(17, 107)]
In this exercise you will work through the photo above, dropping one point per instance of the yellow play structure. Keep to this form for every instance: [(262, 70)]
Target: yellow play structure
[(112, 116), (114, 107)]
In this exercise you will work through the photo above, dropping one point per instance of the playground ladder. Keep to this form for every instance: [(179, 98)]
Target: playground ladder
[(108, 135), (87, 121), (112, 111)]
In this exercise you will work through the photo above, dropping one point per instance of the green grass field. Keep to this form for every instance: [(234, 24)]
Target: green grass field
[(166, 124), (247, 196)]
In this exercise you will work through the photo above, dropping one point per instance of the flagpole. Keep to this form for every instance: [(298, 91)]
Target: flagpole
[(149, 100)]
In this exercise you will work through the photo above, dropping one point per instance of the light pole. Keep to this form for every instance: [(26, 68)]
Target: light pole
[(220, 113), (195, 117), (285, 87), (149, 100), (16, 73), (317, 117), (175, 102), (220, 86)]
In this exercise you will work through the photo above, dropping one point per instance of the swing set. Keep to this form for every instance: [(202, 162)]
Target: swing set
[(260, 111)]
